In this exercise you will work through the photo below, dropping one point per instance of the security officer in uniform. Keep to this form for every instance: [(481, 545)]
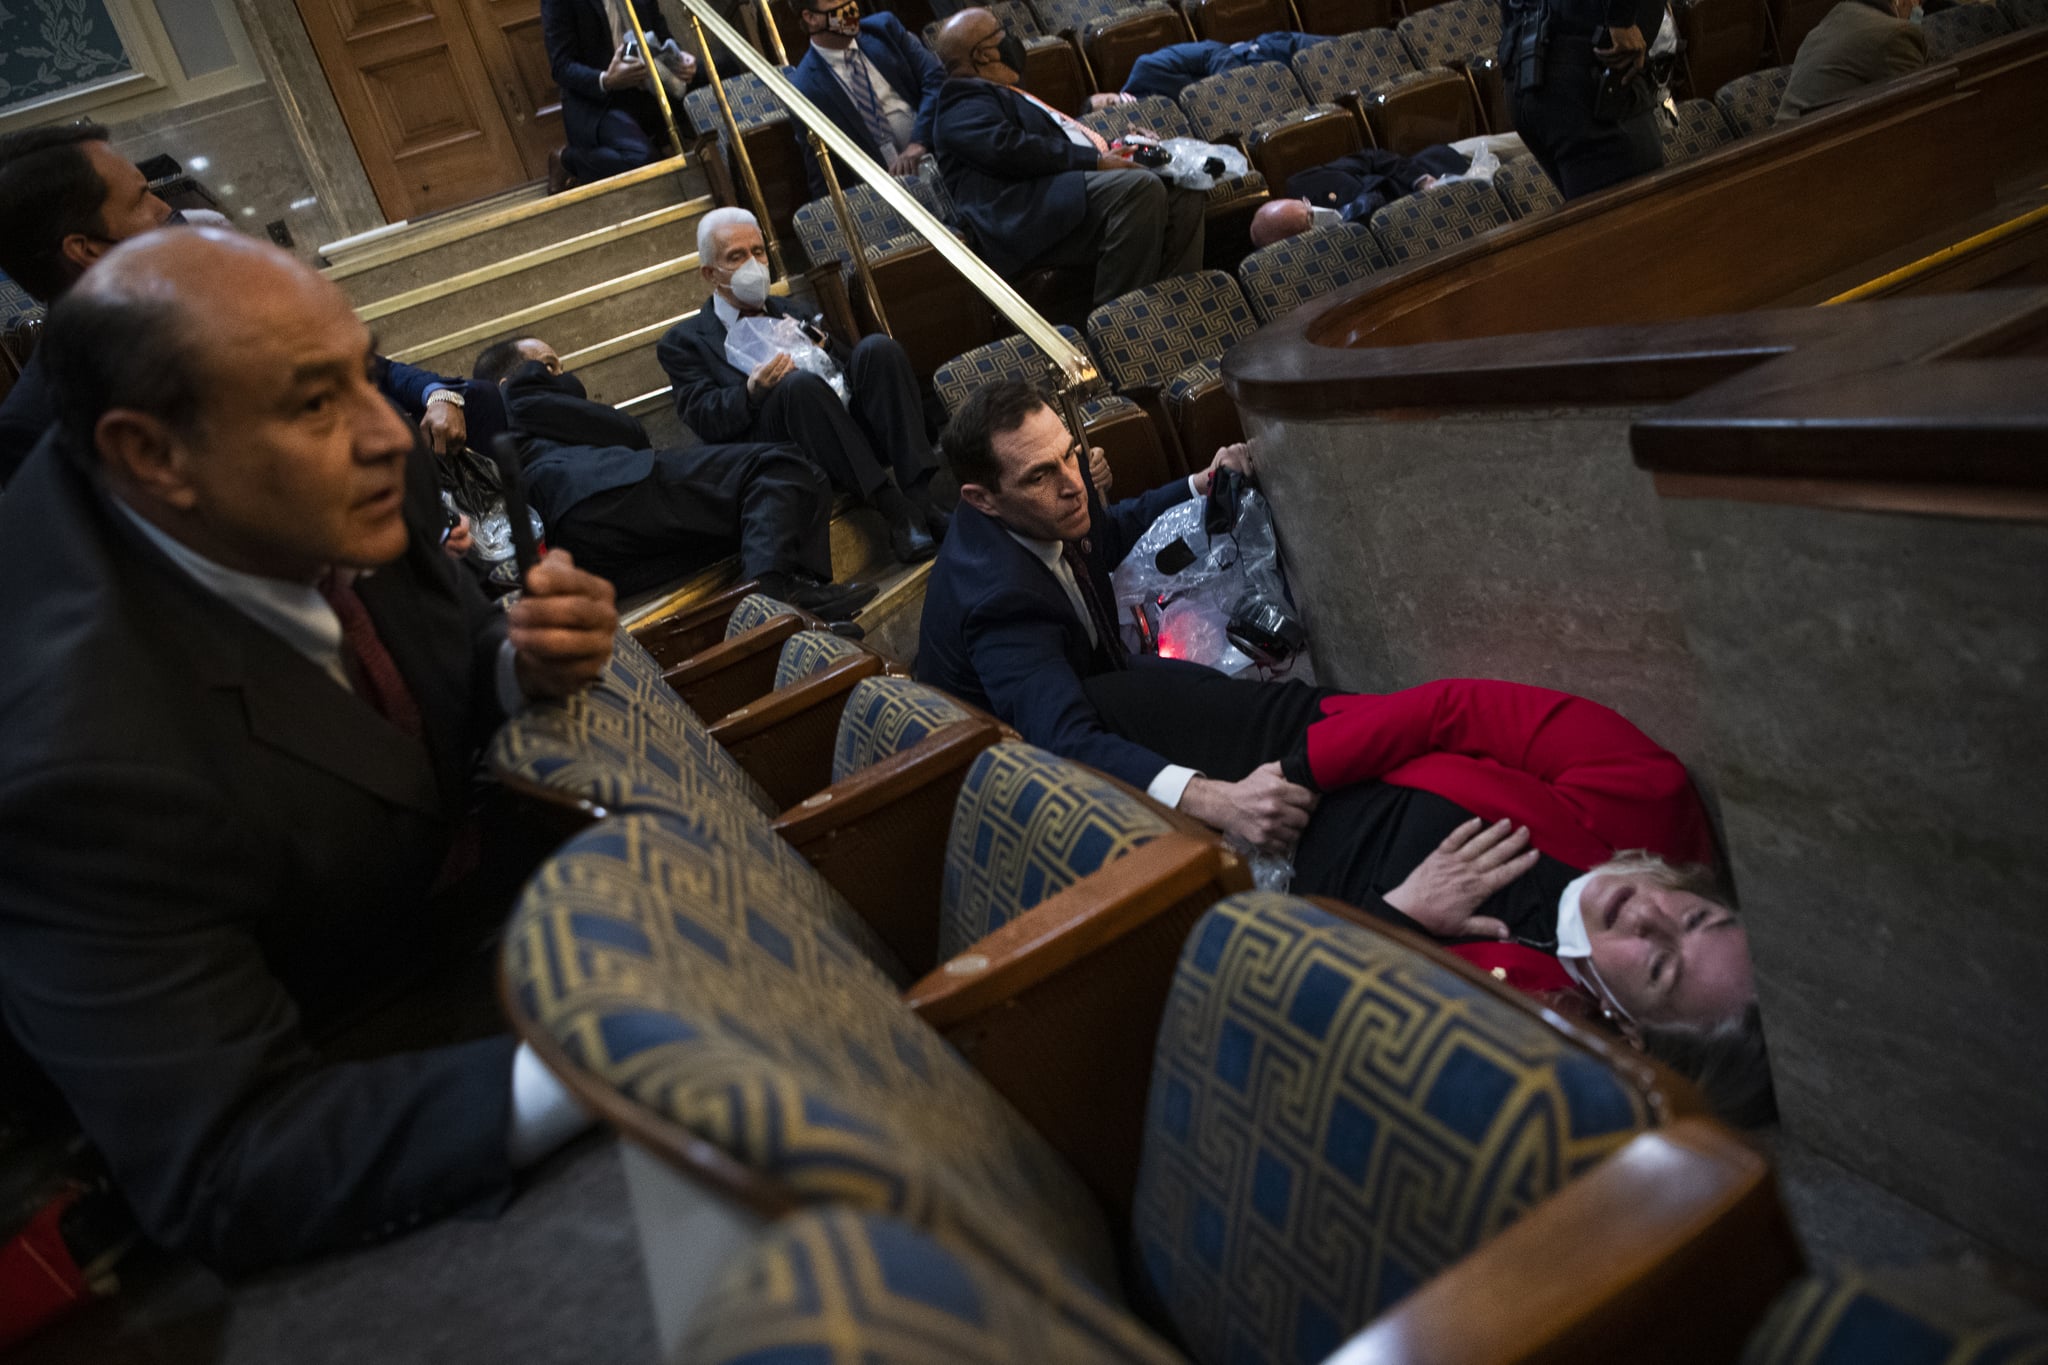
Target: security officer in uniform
[(1577, 88)]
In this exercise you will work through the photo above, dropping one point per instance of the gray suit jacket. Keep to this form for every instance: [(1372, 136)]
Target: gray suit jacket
[(1857, 44)]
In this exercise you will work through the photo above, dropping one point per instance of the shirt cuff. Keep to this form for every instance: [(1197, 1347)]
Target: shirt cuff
[(544, 1114), (1171, 784), (510, 696), (1195, 488)]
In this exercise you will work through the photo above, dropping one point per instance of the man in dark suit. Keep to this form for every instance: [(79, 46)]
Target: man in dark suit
[(1352, 189), (1171, 69), (609, 114), (1039, 188), (872, 446), (873, 79), (242, 693), (1855, 45), (641, 516), (1019, 608), (1578, 91)]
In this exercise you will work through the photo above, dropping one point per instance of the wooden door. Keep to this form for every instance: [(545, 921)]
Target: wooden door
[(508, 37), (418, 100)]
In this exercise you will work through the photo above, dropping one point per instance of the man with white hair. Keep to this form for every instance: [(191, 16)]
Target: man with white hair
[(873, 446)]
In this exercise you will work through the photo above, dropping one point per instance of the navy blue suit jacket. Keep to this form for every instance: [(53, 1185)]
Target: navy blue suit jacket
[(578, 37), (999, 631), (901, 60), (1014, 176)]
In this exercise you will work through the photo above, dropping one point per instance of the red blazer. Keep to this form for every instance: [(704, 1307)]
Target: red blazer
[(1586, 782)]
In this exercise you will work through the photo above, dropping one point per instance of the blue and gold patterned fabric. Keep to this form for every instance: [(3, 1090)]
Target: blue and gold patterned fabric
[(1351, 62), (1238, 101), (755, 609), (885, 716), (726, 990), (1451, 32), (1028, 825), (1911, 1317), (1202, 377), (1282, 277), (1750, 103), (2024, 13), (1436, 220), (817, 223), (1698, 129), (838, 1287), (1012, 357), (1152, 334), (1962, 26), (808, 651), (752, 105), (1525, 190), (1074, 16), (1333, 1119)]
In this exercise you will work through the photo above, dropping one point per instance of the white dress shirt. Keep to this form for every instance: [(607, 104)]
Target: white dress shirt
[(849, 64), (544, 1116)]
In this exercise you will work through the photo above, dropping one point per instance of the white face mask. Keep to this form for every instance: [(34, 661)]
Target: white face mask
[(749, 284), (1575, 946), (1320, 217)]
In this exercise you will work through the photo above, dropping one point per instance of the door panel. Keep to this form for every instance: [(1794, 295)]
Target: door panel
[(414, 91), (508, 37)]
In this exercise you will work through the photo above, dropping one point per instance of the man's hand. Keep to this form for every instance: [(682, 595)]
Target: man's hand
[(1625, 50), (1474, 862), (769, 373), (1109, 161), (907, 160), (684, 64), (1099, 472), (561, 628), (444, 428), (1238, 457), (458, 540), (1265, 810), (624, 73)]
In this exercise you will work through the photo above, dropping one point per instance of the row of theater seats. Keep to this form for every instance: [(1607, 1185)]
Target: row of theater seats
[(975, 1047)]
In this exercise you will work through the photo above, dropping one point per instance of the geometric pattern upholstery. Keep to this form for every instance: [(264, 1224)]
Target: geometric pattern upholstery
[(1852, 1317), (639, 674), (836, 1287), (1966, 25), (1237, 101), (1281, 277), (1013, 357), (699, 983), (808, 651), (1333, 1119), (1525, 189), (1750, 103), (1451, 32), (752, 105), (755, 609), (1017, 17), (885, 716), (1700, 129), (1353, 62), (1027, 826), (1435, 220), (1154, 332), (2024, 13), (1190, 384), (817, 222), (1074, 16)]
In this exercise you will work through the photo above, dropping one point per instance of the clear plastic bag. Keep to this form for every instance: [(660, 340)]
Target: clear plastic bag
[(1198, 165), (752, 342)]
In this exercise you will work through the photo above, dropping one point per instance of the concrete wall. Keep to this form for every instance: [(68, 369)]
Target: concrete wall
[(1874, 687)]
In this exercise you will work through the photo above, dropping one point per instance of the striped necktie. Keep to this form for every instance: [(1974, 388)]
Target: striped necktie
[(862, 88)]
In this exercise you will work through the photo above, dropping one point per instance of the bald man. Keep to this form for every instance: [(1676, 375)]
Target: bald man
[(242, 694), (1040, 188)]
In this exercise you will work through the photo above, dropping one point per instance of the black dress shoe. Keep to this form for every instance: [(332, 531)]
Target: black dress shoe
[(559, 178), (909, 541), (831, 601)]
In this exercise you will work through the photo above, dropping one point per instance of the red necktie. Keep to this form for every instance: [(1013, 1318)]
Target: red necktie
[(368, 664)]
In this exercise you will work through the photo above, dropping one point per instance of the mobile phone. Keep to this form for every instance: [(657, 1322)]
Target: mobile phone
[(512, 481)]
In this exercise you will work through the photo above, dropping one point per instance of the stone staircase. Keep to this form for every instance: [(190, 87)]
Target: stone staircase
[(599, 272)]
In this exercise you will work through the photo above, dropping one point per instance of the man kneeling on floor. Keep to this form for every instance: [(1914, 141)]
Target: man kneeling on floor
[(642, 516), (1019, 608), (242, 696)]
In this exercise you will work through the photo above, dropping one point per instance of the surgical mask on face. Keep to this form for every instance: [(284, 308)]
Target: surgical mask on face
[(1575, 945), (1320, 217), (749, 284)]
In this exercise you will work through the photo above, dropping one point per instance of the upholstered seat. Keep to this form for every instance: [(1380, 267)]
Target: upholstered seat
[(1421, 109), (2024, 13), (1750, 103), (1525, 189), (752, 105), (885, 716), (1230, 105), (1071, 18), (1436, 220), (1451, 33), (808, 651), (880, 225), (755, 609), (1351, 63), (1962, 26), (1898, 1317), (1114, 42), (1147, 337), (1699, 128), (1160, 115), (1281, 277)]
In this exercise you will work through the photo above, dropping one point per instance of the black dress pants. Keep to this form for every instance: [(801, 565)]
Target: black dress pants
[(1580, 152), (698, 506), (857, 444), (1194, 716)]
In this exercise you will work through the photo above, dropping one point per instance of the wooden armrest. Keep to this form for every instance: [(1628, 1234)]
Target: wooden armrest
[(1670, 1250), (785, 738), (733, 672), (674, 638), (1060, 1008), (879, 836)]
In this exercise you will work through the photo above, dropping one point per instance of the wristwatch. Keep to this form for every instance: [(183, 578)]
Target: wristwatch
[(445, 395)]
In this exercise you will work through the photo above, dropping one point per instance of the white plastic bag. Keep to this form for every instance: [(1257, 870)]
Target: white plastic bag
[(1198, 165), (1484, 164), (752, 342)]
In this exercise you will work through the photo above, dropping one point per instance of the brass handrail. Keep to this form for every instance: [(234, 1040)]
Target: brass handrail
[(668, 114), (1075, 366)]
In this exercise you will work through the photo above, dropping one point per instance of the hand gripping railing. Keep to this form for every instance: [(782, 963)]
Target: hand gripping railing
[(1074, 369)]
